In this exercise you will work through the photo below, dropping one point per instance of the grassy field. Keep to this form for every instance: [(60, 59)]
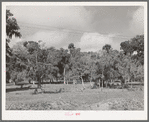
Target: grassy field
[(71, 97)]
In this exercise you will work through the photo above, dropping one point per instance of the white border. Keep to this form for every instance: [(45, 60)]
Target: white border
[(84, 115)]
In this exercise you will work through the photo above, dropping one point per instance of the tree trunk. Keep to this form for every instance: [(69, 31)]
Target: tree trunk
[(102, 79), (82, 83), (36, 58), (90, 82), (130, 81), (67, 81), (102, 83), (99, 83), (39, 88), (64, 75), (69, 76), (91, 79), (73, 82), (39, 84), (125, 81), (111, 83), (122, 85)]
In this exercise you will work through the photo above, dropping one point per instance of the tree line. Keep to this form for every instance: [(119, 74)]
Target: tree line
[(28, 60)]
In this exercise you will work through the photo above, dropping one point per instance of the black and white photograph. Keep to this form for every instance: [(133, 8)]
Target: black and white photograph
[(74, 58)]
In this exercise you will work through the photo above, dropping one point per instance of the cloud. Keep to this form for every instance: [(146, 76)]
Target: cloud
[(137, 22), (56, 19), (57, 39), (71, 17), (50, 38), (94, 41), (85, 41), (62, 38)]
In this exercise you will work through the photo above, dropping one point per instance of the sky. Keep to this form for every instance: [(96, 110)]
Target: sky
[(88, 27)]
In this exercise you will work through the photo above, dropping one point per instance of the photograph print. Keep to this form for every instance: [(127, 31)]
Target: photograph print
[(76, 57)]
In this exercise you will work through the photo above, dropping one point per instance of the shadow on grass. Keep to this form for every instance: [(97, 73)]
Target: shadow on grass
[(61, 90), (51, 92), (17, 89)]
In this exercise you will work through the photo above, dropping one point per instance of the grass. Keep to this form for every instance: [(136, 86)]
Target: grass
[(71, 97)]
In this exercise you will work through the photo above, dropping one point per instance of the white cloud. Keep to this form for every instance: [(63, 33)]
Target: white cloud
[(61, 39), (137, 22), (50, 38), (57, 39), (94, 41)]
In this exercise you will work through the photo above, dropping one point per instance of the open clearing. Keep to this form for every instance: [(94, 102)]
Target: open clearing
[(71, 97)]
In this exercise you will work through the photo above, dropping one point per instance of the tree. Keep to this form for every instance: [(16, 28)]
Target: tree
[(92, 67), (106, 62), (64, 61), (107, 47), (139, 74), (36, 61), (129, 64), (78, 69), (127, 68), (135, 44), (12, 28), (138, 46), (71, 49), (126, 47)]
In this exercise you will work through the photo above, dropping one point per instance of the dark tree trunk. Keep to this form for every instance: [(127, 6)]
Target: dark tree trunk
[(102, 79), (90, 82), (39, 83), (91, 79), (69, 77), (64, 76), (99, 83), (106, 84)]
